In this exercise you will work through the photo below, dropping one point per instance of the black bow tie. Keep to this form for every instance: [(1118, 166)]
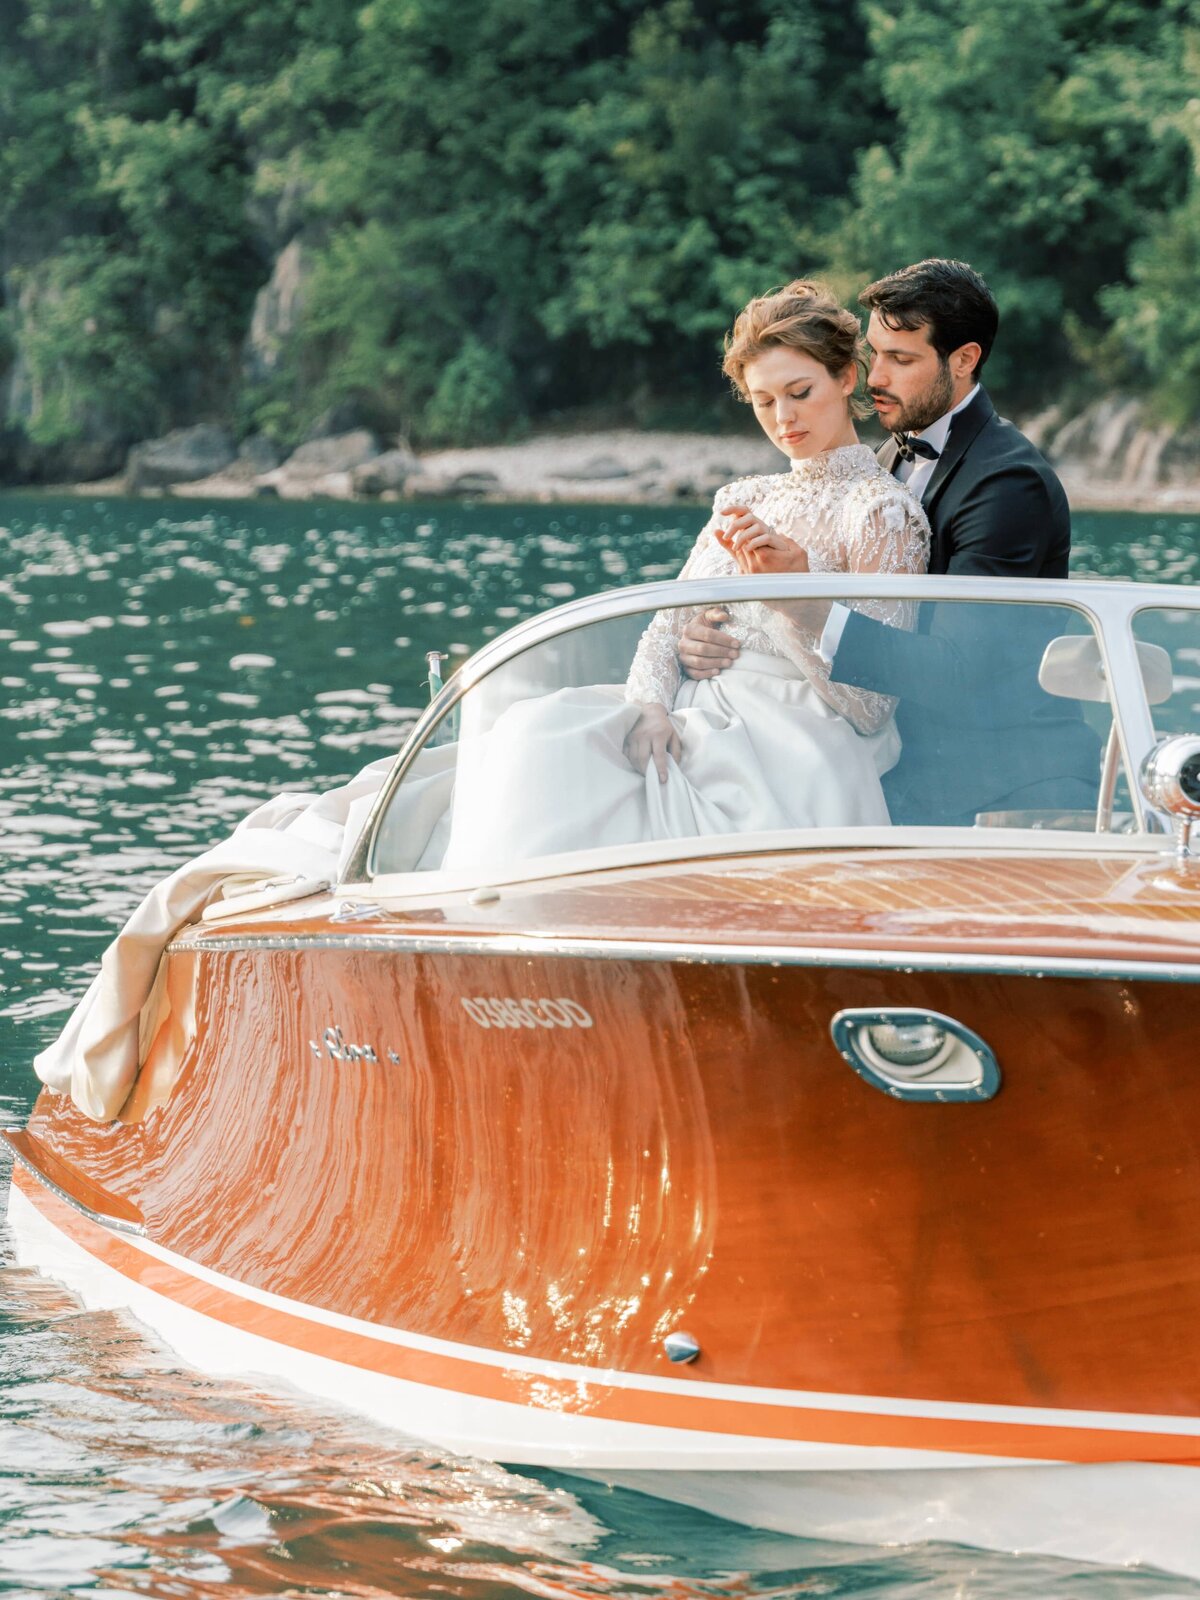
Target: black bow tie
[(910, 447)]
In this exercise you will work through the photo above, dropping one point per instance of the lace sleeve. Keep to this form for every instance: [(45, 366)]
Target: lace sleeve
[(654, 675), (891, 537)]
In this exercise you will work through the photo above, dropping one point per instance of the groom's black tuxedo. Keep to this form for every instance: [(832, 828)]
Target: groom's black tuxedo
[(978, 732), (995, 507)]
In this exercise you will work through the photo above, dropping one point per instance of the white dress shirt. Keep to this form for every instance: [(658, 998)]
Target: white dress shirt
[(915, 475)]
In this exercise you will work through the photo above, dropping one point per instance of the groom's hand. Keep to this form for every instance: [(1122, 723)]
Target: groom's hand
[(705, 649)]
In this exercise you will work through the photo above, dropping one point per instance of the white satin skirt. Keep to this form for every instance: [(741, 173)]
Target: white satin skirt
[(761, 751)]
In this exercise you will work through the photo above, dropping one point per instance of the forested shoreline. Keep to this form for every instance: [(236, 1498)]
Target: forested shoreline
[(455, 225)]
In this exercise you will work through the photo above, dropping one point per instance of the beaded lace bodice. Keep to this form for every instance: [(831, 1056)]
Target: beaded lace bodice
[(850, 515)]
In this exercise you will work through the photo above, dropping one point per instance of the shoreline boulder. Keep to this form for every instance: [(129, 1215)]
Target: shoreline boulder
[(596, 470), (339, 452), (389, 471), (180, 456)]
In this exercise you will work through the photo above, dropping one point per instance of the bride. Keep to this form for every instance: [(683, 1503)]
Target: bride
[(770, 743)]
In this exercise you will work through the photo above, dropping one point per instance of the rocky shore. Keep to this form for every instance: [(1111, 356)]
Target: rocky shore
[(607, 466), (1110, 457)]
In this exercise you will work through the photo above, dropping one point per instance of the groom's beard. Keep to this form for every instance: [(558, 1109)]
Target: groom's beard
[(923, 409)]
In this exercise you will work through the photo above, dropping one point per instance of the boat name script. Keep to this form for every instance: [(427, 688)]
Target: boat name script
[(337, 1047), (507, 1012)]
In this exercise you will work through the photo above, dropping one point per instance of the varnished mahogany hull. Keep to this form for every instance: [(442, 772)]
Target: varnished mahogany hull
[(916, 1320), (699, 1158), (910, 1316)]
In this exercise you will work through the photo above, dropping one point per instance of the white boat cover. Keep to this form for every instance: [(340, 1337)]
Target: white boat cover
[(289, 839)]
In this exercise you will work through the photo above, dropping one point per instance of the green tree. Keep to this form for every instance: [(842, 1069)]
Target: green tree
[(1021, 146), (1156, 316), (559, 204), (129, 254), (583, 190)]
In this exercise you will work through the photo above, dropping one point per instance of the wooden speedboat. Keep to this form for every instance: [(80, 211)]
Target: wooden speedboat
[(841, 1181)]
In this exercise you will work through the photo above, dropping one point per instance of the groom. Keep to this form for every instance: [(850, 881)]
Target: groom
[(978, 733)]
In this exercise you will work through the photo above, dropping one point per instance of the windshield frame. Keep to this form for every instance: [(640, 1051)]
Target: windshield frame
[(1108, 606)]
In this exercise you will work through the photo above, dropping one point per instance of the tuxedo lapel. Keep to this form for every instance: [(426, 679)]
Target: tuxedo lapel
[(963, 430)]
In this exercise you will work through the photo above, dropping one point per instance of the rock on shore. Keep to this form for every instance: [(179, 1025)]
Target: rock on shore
[(185, 454), (1114, 455)]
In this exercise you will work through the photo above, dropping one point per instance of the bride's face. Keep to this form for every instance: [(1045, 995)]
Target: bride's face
[(800, 406)]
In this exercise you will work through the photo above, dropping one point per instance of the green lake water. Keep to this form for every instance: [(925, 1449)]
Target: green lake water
[(164, 666)]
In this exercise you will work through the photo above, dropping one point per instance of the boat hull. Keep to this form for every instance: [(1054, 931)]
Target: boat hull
[(1111, 1513), (469, 1180), (696, 1157)]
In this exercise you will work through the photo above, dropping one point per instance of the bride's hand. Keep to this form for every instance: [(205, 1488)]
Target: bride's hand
[(653, 738), (755, 546), (758, 548)]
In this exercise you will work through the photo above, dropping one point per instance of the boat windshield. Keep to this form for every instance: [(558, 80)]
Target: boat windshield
[(862, 713), (1175, 699)]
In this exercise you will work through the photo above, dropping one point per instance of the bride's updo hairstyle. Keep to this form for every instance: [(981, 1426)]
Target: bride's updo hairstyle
[(804, 316)]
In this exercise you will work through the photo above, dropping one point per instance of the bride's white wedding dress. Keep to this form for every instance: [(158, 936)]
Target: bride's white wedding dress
[(769, 743)]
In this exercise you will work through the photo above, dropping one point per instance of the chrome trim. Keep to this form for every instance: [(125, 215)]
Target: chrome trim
[(1110, 607), (113, 1224), (1127, 699), (1161, 779), (356, 911), (701, 954), (1110, 771), (847, 1024), (433, 661)]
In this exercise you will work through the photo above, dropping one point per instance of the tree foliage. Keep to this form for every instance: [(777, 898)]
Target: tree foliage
[(545, 205)]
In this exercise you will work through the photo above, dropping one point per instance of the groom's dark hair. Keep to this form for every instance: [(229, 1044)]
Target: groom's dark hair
[(947, 297)]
